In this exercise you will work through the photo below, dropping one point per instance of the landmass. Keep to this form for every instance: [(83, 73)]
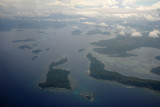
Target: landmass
[(25, 47), (77, 32), (157, 57), (88, 95), (25, 40), (62, 61), (97, 31), (19, 30), (35, 44), (119, 46), (97, 71), (80, 50), (57, 78), (47, 49), (156, 70), (36, 51), (34, 57), (40, 32)]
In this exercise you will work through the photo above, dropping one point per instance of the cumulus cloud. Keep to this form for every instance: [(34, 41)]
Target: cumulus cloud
[(154, 34), (91, 8), (152, 18), (120, 27), (89, 23), (103, 24), (136, 34), (122, 33)]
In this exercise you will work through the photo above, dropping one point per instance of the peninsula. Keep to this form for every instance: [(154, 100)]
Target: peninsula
[(119, 46), (156, 70), (97, 71)]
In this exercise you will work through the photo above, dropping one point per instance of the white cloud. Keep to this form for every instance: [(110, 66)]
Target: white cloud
[(154, 34), (152, 7), (120, 27), (90, 8), (152, 18), (103, 24), (89, 23), (136, 34), (75, 27), (122, 33)]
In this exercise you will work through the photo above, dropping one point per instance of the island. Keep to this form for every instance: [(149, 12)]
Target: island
[(25, 40), (36, 51), (34, 57), (88, 95), (156, 70), (119, 46), (60, 62), (19, 30), (80, 50), (97, 71), (35, 44), (97, 31), (57, 78), (47, 49), (25, 47), (157, 57)]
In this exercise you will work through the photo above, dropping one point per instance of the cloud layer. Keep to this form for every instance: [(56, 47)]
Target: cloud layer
[(146, 9)]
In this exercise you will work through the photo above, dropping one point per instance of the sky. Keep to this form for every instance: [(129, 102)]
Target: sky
[(148, 9), (99, 10)]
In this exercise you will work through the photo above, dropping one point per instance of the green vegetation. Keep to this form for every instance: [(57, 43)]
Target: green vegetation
[(25, 40), (36, 51), (47, 49), (77, 32), (57, 78), (97, 31), (25, 47), (97, 71), (157, 57), (62, 61), (119, 46), (34, 57), (35, 44), (156, 70), (80, 50)]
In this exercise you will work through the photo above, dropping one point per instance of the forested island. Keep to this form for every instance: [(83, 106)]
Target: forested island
[(34, 57), (157, 57), (119, 46), (36, 51), (97, 71), (25, 47), (62, 61), (156, 70), (80, 50), (25, 40), (57, 78)]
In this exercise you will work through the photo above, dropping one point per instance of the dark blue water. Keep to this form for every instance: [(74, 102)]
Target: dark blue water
[(19, 76)]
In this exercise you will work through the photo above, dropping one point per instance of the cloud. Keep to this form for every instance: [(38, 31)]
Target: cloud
[(120, 27), (154, 34), (152, 18), (89, 8), (155, 6), (122, 33), (89, 23), (103, 24), (75, 27), (136, 34)]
